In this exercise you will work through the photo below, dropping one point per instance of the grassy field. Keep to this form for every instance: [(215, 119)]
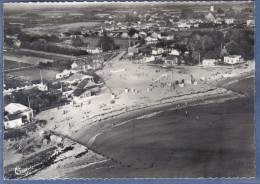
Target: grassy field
[(62, 27), (8, 64), (35, 54), (27, 59), (219, 144), (34, 74)]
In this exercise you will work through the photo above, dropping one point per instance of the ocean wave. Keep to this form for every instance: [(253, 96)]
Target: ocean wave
[(140, 117)]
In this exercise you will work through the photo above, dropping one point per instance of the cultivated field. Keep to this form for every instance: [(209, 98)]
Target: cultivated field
[(34, 74), (60, 28)]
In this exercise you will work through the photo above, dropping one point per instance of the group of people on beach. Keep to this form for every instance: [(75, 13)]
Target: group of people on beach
[(186, 113)]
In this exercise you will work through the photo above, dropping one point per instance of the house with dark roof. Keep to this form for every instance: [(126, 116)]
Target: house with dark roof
[(86, 88), (76, 78), (171, 60)]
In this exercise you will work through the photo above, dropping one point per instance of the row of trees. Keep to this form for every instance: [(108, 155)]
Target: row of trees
[(61, 64), (23, 37), (38, 99), (48, 47), (214, 45)]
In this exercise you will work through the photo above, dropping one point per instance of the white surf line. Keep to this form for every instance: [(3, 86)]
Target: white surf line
[(139, 117), (148, 115), (92, 139), (93, 163)]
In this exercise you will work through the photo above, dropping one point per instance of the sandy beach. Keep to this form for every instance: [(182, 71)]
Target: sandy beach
[(124, 157)]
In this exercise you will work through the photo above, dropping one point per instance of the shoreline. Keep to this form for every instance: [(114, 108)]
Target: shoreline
[(113, 120), (88, 132), (109, 122)]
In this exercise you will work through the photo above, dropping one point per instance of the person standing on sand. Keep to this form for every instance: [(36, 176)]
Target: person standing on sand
[(197, 118), (186, 113), (210, 124)]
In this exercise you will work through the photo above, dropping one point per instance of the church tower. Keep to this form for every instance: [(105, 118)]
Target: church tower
[(212, 8)]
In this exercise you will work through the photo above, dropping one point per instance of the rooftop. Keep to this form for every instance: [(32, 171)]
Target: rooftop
[(13, 108)]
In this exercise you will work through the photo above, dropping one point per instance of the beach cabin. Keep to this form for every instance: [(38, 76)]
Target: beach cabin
[(171, 60), (132, 51), (208, 62), (149, 58)]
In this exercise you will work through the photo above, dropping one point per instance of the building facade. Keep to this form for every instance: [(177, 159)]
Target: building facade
[(233, 59)]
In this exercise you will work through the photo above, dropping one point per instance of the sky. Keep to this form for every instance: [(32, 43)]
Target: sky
[(51, 5)]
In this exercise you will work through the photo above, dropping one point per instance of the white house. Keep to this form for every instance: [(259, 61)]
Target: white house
[(125, 35), (208, 62), (17, 43), (142, 33), (174, 52), (12, 121), (136, 35), (149, 40), (250, 22), (132, 51), (233, 59), (229, 21), (149, 59), (94, 50), (155, 35), (42, 87), (166, 37), (157, 51), (65, 73), (183, 25), (17, 115)]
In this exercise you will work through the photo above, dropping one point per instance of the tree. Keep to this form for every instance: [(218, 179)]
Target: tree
[(77, 41), (220, 11), (132, 31), (176, 19), (230, 13), (168, 23), (183, 16), (204, 45), (107, 43), (52, 38), (240, 42), (147, 17), (186, 12)]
